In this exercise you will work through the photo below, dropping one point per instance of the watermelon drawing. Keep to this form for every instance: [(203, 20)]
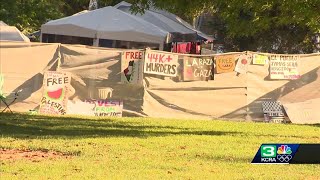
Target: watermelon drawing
[(56, 94)]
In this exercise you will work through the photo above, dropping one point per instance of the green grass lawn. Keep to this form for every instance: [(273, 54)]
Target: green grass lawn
[(149, 148)]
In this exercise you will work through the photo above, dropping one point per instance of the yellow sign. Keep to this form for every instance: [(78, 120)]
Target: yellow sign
[(260, 59)]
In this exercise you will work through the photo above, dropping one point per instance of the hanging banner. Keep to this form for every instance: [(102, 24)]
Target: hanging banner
[(198, 68), (260, 59), (132, 67), (161, 63), (55, 93), (284, 67), (243, 63), (105, 107), (225, 64)]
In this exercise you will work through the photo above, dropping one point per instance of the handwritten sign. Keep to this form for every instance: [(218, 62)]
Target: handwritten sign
[(225, 63), (198, 68), (132, 67), (90, 107), (55, 93), (243, 63), (161, 63), (260, 59), (284, 67)]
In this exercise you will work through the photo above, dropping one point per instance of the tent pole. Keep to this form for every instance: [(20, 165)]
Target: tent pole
[(161, 47), (96, 42)]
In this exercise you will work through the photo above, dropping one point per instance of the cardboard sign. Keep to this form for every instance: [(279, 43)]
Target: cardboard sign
[(243, 63), (55, 93), (160, 63), (90, 107), (306, 112), (260, 59), (132, 67), (284, 67), (225, 63), (198, 68)]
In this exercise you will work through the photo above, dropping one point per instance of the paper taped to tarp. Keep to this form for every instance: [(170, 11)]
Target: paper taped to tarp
[(98, 108), (284, 67), (306, 112), (260, 59), (56, 87), (198, 68), (132, 67), (243, 63), (225, 63), (160, 63)]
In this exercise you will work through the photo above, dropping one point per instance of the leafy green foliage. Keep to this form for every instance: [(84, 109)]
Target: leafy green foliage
[(29, 15), (280, 26), (273, 26)]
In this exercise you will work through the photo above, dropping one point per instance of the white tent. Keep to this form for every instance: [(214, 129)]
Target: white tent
[(11, 33), (107, 23), (166, 20), (178, 30), (3, 24)]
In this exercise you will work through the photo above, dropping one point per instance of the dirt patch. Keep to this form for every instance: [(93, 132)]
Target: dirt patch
[(33, 155)]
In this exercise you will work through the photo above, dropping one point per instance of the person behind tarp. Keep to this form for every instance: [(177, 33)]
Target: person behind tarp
[(195, 48)]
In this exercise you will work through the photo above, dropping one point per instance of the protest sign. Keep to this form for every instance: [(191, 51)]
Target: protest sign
[(284, 67), (225, 63), (91, 107), (243, 63), (161, 63), (198, 68), (132, 67), (55, 93), (260, 59)]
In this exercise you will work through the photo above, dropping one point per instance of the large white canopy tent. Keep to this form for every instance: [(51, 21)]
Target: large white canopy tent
[(166, 20), (179, 32), (11, 33), (107, 23)]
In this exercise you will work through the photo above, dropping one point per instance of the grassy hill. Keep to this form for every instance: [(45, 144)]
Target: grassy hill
[(148, 148)]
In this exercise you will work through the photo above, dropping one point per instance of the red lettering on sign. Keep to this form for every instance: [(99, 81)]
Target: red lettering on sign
[(161, 57), (155, 57), (127, 54), (169, 58)]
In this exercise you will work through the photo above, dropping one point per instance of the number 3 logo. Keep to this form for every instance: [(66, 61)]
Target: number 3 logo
[(268, 151)]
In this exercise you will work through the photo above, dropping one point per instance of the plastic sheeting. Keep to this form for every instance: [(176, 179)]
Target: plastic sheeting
[(229, 95)]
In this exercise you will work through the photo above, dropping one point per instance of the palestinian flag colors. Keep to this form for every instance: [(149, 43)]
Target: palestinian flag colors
[(54, 98)]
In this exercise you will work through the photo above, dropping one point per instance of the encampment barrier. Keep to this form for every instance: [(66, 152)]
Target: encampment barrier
[(166, 84)]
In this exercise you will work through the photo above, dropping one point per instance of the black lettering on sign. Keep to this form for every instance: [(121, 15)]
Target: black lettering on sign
[(161, 68), (57, 80)]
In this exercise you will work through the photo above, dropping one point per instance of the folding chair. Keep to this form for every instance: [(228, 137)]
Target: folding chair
[(4, 100), (3, 97)]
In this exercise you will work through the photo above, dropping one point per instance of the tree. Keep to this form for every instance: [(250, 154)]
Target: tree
[(29, 15), (273, 25)]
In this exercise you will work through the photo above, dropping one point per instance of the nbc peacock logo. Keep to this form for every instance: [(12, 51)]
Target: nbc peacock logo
[(284, 153), (284, 149)]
